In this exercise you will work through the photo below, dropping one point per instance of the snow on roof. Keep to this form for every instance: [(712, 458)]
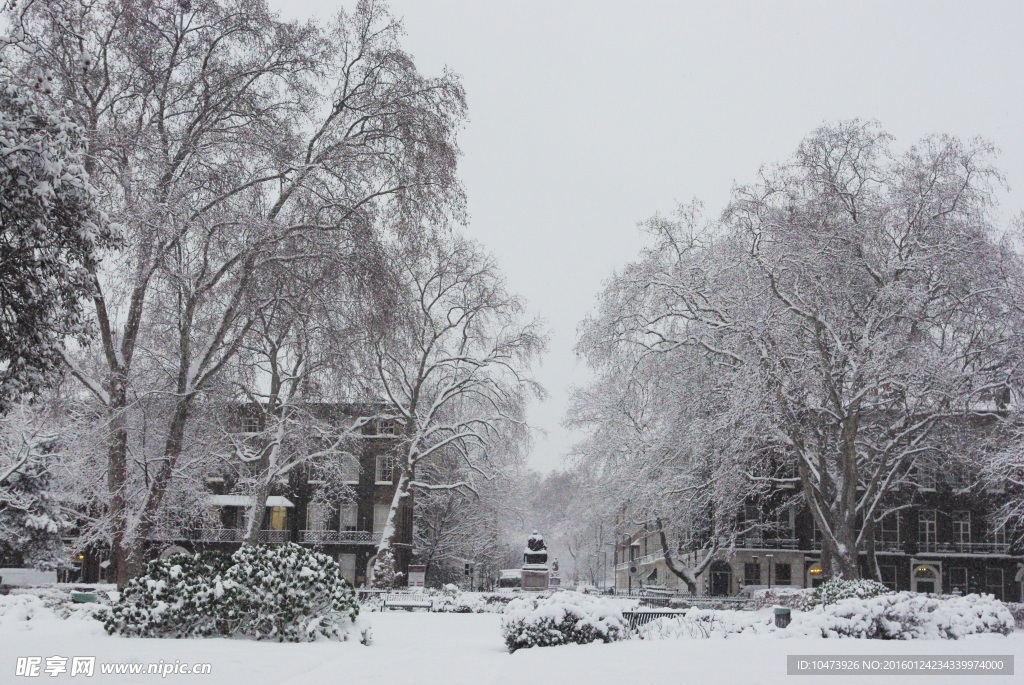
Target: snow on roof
[(510, 573), (246, 501)]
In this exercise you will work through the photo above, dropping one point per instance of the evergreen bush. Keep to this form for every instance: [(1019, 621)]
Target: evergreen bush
[(836, 589), (287, 593)]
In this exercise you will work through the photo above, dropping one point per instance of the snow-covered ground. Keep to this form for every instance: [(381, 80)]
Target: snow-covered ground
[(428, 649)]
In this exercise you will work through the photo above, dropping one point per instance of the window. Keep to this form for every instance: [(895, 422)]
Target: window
[(998, 535), (887, 531), (347, 564), (958, 477), (994, 582), (927, 478), (278, 518), (926, 527), (751, 574), (957, 580), (385, 469), (380, 516), (349, 516), (750, 513), (316, 516), (783, 574), (816, 535), (962, 527), (387, 427), (350, 468), (250, 424)]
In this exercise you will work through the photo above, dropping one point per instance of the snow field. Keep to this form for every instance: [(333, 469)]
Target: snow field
[(442, 649)]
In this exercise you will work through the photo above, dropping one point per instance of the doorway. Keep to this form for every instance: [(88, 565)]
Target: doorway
[(721, 579), (926, 578)]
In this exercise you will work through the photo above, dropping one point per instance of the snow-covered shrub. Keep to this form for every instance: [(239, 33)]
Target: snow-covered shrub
[(180, 596), (1017, 611), (30, 610), (694, 623), (791, 597), (562, 618), (908, 616), (836, 589), (287, 593), (450, 599), (385, 577), (897, 616)]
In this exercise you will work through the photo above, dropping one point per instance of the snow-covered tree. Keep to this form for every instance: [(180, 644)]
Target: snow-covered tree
[(32, 516), (50, 232), (454, 369), (215, 131), (843, 308)]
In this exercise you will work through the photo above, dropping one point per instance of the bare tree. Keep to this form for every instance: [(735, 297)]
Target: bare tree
[(215, 131), (845, 306), (454, 370)]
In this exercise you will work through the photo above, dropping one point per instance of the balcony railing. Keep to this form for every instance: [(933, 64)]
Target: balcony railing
[(890, 546), (351, 537), (274, 537), (963, 548), (754, 542)]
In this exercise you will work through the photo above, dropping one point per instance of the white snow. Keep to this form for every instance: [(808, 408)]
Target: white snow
[(443, 649)]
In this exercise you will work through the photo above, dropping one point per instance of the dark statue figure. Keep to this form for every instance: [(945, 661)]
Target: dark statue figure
[(536, 551)]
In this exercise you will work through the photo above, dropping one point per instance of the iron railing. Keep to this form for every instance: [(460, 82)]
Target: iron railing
[(352, 537)]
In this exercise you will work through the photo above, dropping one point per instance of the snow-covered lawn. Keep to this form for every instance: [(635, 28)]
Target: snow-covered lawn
[(428, 649)]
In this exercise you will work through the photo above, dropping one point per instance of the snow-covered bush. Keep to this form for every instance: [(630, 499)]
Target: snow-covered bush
[(30, 610), (909, 616), (836, 589), (287, 593), (562, 618), (897, 616), (180, 596), (791, 597), (1017, 611), (385, 577), (450, 599)]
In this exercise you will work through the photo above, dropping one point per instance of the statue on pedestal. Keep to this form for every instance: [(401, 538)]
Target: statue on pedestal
[(536, 574)]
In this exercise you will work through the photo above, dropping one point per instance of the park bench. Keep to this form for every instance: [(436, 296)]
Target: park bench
[(406, 600), (638, 617)]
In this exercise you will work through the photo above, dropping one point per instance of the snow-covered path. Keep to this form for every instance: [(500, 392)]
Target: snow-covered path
[(456, 649)]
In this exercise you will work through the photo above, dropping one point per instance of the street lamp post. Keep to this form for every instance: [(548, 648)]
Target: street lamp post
[(769, 557)]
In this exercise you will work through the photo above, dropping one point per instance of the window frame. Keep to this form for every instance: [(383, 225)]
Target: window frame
[(932, 518), (959, 519), (380, 459)]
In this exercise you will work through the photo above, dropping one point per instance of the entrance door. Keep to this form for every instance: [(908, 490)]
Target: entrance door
[(721, 579), (925, 578)]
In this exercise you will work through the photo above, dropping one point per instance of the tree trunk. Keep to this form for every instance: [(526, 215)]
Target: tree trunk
[(133, 545), (387, 539), (683, 574), (257, 511)]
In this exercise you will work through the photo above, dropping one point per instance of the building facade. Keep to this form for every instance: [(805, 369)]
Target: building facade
[(348, 528), (939, 541)]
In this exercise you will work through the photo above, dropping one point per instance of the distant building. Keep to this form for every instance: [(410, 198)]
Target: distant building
[(939, 543)]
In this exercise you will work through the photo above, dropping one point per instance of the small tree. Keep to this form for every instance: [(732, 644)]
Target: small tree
[(454, 370)]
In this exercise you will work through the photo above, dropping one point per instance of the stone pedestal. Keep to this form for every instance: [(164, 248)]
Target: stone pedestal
[(536, 574)]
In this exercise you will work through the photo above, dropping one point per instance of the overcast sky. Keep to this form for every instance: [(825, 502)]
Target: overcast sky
[(589, 117)]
